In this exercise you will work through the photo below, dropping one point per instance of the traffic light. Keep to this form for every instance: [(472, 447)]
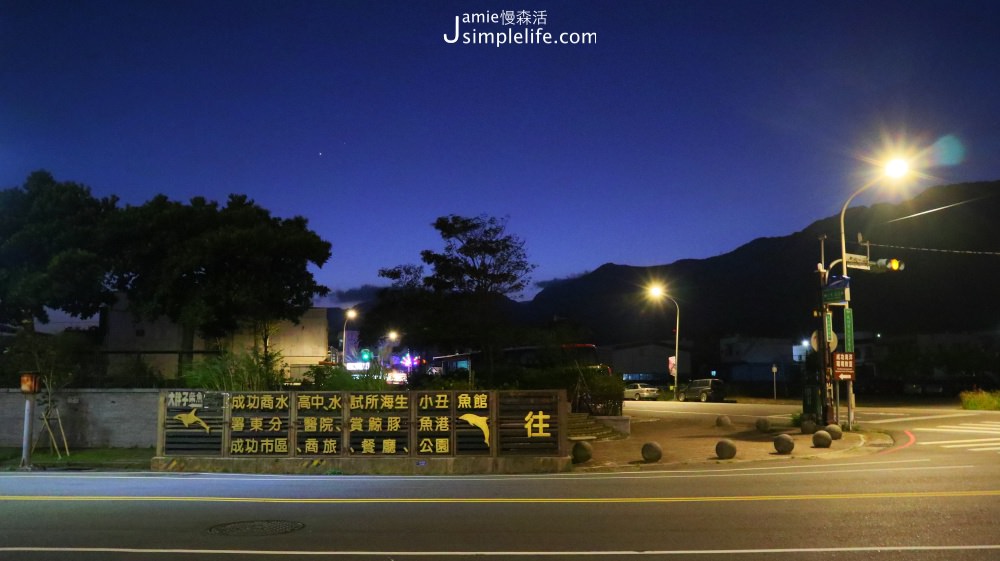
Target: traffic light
[(887, 265), (366, 355)]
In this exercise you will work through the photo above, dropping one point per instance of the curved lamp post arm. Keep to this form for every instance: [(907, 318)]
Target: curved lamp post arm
[(843, 241)]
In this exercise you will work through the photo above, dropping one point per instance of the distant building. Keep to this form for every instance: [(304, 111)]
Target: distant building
[(645, 362), (159, 343), (754, 361)]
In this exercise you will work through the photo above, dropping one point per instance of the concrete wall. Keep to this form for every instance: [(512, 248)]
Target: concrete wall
[(90, 418)]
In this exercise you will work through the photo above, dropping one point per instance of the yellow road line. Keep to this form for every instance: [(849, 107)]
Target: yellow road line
[(525, 500)]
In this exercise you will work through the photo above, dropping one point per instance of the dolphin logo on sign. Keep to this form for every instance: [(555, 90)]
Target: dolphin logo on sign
[(480, 423), (190, 417)]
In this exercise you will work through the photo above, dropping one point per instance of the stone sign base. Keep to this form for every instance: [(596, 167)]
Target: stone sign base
[(365, 465)]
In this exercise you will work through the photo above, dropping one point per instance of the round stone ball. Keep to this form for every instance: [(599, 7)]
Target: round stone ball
[(821, 439), (783, 444), (835, 431), (725, 449), (651, 452), (763, 424), (808, 427), (582, 452), (723, 421)]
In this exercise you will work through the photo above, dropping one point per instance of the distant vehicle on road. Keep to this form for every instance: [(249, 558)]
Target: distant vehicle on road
[(707, 389), (639, 391)]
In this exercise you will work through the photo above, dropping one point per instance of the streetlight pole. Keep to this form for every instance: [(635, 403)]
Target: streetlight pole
[(677, 347), (895, 169), (350, 314), (657, 292)]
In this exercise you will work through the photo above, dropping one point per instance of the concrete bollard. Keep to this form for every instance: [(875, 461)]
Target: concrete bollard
[(723, 421), (725, 449), (808, 427), (783, 444), (763, 424), (821, 439), (651, 452), (835, 431), (582, 452)]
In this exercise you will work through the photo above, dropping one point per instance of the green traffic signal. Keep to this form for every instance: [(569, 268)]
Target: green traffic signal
[(366, 355)]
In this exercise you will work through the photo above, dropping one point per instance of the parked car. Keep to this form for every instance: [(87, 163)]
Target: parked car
[(707, 389), (639, 391)]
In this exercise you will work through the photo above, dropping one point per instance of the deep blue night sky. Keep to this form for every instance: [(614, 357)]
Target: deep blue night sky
[(689, 128)]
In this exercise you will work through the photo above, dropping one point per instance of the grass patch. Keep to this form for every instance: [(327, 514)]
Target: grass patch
[(84, 458), (981, 400)]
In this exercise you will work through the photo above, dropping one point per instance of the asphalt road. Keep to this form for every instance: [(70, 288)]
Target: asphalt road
[(916, 501)]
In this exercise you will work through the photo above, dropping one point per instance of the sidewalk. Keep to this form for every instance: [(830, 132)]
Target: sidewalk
[(685, 442)]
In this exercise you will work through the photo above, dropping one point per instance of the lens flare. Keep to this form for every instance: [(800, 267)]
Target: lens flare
[(948, 151)]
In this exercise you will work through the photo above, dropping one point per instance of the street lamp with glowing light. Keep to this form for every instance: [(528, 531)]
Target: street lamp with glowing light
[(657, 292), (895, 168), (350, 314)]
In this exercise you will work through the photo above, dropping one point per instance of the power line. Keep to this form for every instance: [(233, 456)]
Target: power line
[(954, 251)]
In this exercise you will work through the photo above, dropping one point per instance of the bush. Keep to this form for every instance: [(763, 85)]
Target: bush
[(981, 400), (246, 371), (337, 378)]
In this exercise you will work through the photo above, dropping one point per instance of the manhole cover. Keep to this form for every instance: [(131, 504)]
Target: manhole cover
[(256, 528)]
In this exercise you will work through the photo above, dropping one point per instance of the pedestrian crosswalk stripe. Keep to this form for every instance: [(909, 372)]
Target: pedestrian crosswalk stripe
[(958, 443), (983, 444), (960, 429)]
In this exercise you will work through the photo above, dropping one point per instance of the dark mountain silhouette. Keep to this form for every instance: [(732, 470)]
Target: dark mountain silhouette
[(770, 286)]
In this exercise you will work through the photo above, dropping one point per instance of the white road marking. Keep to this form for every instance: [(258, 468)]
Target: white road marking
[(963, 441), (922, 418), (438, 554), (958, 429)]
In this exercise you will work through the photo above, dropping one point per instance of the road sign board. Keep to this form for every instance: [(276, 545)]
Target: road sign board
[(833, 295), (843, 366), (855, 261)]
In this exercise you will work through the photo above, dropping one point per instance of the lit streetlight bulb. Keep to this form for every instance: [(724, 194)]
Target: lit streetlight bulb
[(897, 168)]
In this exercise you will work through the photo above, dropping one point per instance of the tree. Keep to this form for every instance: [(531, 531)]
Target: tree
[(51, 250), (216, 270), (479, 257), (481, 265)]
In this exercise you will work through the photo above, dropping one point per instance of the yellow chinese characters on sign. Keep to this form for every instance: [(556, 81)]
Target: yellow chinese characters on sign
[(536, 424), (378, 423), (259, 424), (319, 422)]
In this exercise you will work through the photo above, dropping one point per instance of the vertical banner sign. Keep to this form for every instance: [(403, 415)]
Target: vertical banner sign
[(379, 424), (529, 424), (193, 422), (319, 418), (848, 330), (259, 424), (473, 411), (828, 323)]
